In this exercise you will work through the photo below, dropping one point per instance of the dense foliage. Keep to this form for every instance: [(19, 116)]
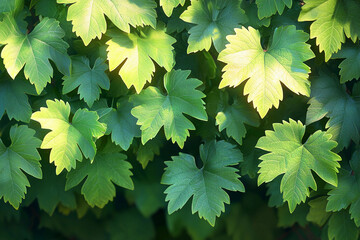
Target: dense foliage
[(179, 119)]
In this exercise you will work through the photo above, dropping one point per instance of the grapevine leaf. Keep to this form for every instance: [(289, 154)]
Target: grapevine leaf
[(265, 70), (88, 16), (13, 98), (121, 124), (50, 191), (68, 141), (350, 66), (19, 158), (268, 8), (11, 6), (146, 153), (134, 53), (205, 185), (234, 117), (341, 227), (330, 99), (333, 19), (318, 213), (88, 79), (34, 50), (289, 156), (101, 175), (213, 20), (155, 110), (169, 5)]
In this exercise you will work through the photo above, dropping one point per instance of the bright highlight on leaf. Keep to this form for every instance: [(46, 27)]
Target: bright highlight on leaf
[(289, 156), (135, 52), (88, 16), (155, 110), (333, 19), (265, 70), (169, 5), (34, 50), (108, 168), (90, 80), (330, 99), (19, 158), (67, 140), (206, 185), (268, 8), (214, 20)]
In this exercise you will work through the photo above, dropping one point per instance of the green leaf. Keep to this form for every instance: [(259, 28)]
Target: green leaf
[(265, 70), (34, 50), (330, 99), (50, 191), (234, 117), (341, 227), (68, 140), (88, 79), (88, 16), (155, 110), (101, 175), (121, 124), (135, 52), (206, 185), (13, 98), (11, 6), (169, 5), (19, 158), (317, 213), (289, 156), (213, 20), (146, 153), (333, 19), (268, 8), (350, 67)]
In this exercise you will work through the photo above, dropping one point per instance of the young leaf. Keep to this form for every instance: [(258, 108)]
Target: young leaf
[(214, 21), (332, 18), (155, 110), (265, 70), (68, 140), (121, 124), (205, 185), (88, 16), (169, 5), (88, 79), (268, 8), (330, 99), (19, 158), (101, 175), (34, 50), (134, 53), (289, 156)]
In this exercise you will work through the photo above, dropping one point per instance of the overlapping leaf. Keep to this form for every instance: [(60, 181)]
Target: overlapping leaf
[(34, 50), (330, 99), (214, 20), (155, 110), (19, 158), (350, 66), (289, 156), (169, 5), (333, 19), (88, 16), (265, 69), (206, 185), (135, 52), (68, 140), (268, 8)]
